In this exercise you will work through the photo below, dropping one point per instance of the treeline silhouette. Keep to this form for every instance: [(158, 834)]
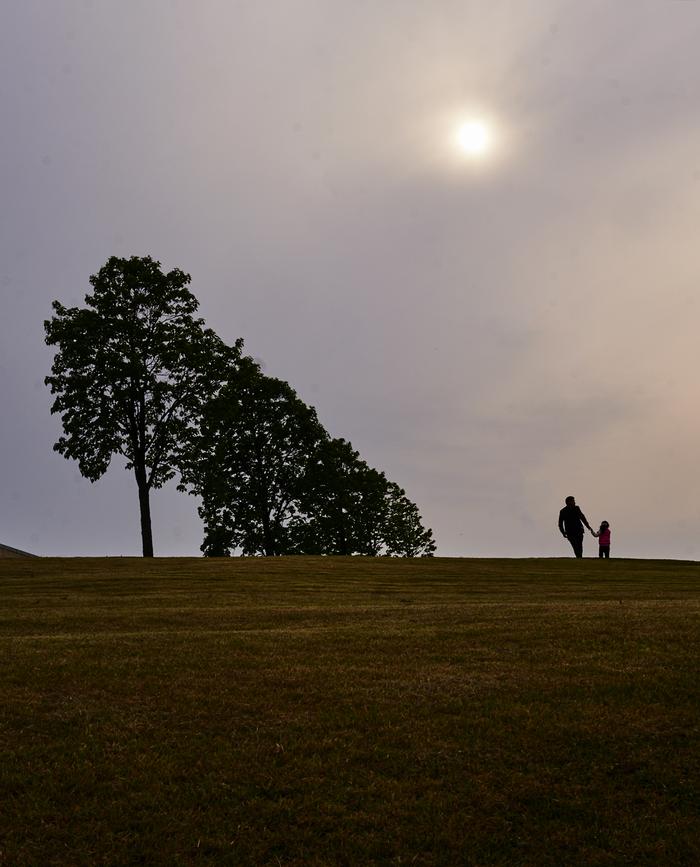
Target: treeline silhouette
[(136, 374)]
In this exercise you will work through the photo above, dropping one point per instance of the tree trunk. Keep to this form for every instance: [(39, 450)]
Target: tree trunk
[(145, 508), (268, 542)]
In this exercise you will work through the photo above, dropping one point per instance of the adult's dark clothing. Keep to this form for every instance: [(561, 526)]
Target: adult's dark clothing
[(577, 544), (571, 522)]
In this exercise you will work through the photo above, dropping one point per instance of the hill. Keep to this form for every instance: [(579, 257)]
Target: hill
[(308, 711)]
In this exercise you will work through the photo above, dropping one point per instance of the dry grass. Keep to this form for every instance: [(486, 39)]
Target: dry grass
[(331, 711)]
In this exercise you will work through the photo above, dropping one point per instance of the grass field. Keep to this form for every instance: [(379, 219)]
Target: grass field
[(310, 711)]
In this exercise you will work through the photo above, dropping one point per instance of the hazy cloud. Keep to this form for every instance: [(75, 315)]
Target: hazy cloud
[(494, 338)]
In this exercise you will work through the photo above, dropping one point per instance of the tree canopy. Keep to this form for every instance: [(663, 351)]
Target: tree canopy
[(135, 374), (132, 369), (272, 481), (351, 508), (247, 458)]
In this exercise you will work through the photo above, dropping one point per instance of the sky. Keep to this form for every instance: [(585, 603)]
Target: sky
[(494, 333)]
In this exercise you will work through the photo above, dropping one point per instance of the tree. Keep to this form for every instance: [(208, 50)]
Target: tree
[(133, 368), (404, 534), (351, 508), (272, 481), (342, 501), (246, 457)]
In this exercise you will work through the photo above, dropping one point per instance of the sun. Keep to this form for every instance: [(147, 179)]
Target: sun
[(474, 138)]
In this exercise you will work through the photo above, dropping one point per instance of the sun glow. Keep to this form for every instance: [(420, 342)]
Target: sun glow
[(474, 138)]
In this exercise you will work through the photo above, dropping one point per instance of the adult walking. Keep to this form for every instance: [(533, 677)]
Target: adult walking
[(571, 523)]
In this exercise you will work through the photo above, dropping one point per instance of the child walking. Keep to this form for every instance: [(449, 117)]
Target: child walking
[(603, 539)]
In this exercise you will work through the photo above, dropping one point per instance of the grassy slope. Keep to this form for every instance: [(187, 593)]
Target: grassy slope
[(349, 711)]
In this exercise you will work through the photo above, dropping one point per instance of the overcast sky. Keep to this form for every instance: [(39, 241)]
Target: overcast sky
[(493, 333)]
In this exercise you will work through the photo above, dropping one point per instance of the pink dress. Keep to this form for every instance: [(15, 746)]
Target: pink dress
[(604, 538)]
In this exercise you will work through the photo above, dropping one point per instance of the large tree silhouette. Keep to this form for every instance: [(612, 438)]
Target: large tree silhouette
[(272, 481), (342, 499), (352, 508), (403, 533), (246, 458), (132, 370)]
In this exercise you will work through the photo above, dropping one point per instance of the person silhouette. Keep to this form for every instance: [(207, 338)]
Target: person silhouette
[(571, 522), (603, 539)]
